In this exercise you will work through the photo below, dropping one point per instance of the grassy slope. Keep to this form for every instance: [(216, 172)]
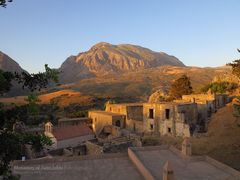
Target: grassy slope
[(63, 98)]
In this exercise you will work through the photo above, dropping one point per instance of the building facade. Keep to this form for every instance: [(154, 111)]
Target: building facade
[(68, 136)]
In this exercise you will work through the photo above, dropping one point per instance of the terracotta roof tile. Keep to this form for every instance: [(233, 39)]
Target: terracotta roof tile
[(68, 132)]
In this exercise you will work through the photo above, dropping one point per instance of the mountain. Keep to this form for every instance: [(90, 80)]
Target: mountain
[(107, 59), (8, 64)]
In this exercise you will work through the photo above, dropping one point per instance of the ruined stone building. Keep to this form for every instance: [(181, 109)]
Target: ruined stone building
[(176, 119), (206, 104)]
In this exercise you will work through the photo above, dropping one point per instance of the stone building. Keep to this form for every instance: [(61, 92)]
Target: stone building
[(133, 113), (177, 119), (68, 136), (206, 104), (102, 119), (72, 121)]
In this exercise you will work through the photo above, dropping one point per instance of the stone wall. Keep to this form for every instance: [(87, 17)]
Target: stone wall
[(93, 149)]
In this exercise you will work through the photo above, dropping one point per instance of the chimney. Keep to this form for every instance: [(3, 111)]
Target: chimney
[(48, 127), (186, 147), (168, 171)]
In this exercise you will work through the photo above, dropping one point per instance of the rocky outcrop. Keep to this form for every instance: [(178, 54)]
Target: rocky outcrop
[(160, 95), (105, 59)]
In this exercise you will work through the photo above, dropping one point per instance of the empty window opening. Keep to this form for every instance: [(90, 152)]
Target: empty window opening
[(167, 113), (169, 130), (151, 126), (150, 114), (118, 123)]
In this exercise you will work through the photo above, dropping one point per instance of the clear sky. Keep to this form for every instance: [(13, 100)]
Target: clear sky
[(198, 32)]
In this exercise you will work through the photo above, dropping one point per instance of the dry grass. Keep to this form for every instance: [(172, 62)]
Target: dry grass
[(62, 98)]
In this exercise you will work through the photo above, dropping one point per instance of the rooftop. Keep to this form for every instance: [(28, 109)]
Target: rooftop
[(139, 163), (73, 119), (107, 113), (68, 132), (127, 104)]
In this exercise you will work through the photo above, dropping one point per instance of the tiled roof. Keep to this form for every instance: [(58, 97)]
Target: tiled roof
[(68, 132)]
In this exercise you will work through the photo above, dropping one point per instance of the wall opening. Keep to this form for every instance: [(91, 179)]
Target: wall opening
[(118, 123), (151, 126), (167, 113), (150, 114), (169, 130)]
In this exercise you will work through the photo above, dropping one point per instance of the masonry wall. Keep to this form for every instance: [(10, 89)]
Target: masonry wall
[(99, 120), (72, 142), (169, 118), (134, 115)]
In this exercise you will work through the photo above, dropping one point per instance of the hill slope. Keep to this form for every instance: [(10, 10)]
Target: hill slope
[(105, 59), (140, 84), (8, 64)]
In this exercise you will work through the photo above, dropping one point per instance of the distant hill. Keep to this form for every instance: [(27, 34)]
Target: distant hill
[(107, 59), (8, 64)]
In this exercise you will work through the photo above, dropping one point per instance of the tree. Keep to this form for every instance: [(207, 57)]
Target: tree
[(5, 81), (235, 66), (220, 87), (181, 86), (3, 3), (11, 142)]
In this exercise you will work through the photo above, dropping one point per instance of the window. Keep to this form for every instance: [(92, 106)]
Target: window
[(110, 109), (151, 126), (167, 113), (150, 114), (118, 123), (95, 120), (169, 130)]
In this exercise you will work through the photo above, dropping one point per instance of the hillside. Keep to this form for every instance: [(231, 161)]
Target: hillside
[(8, 64), (62, 98), (140, 84), (107, 59)]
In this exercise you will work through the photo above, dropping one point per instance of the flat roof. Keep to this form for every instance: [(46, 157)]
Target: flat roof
[(128, 104), (187, 169), (73, 119), (172, 103), (109, 166), (107, 113), (122, 166)]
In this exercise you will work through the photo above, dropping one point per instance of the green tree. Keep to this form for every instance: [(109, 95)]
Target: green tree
[(220, 87), (181, 86), (5, 81), (10, 142), (235, 67), (3, 3), (32, 106)]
